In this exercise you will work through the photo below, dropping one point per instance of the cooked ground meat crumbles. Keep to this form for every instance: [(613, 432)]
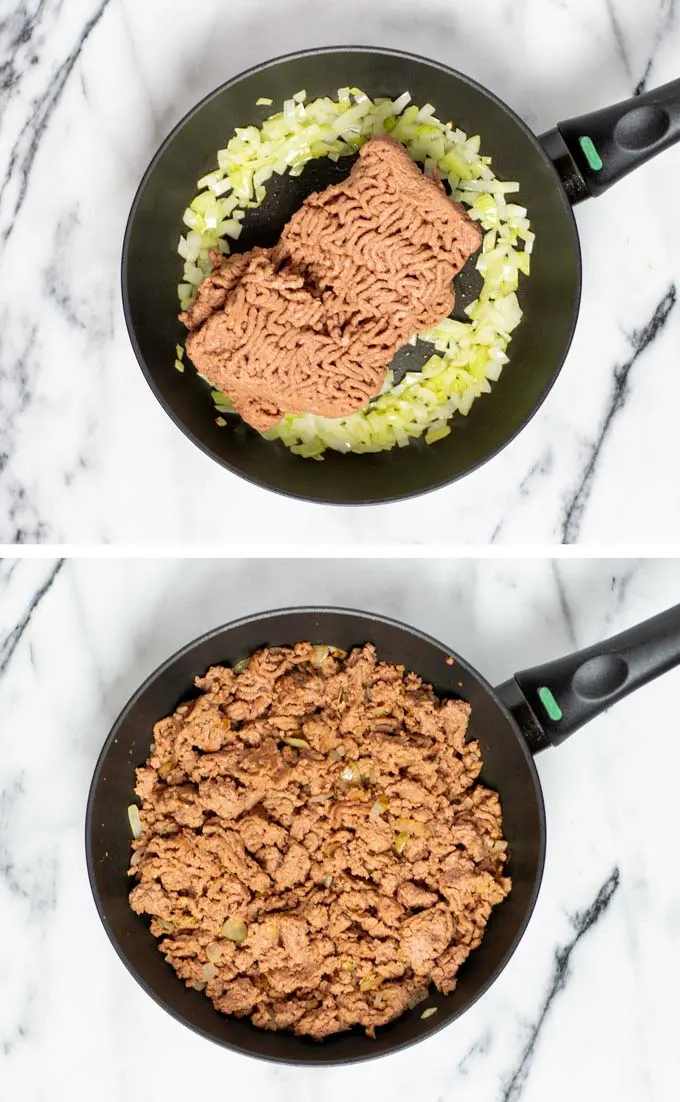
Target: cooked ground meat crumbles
[(315, 849), (311, 325)]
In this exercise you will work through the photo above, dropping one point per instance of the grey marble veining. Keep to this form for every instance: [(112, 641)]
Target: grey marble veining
[(89, 88), (587, 1007)]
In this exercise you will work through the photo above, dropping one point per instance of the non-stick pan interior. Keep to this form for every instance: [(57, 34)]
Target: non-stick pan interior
[(507, 768), (152, 270)]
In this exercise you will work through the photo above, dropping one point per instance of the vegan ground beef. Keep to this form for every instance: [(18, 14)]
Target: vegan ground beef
[(315, 848), (311, 325)]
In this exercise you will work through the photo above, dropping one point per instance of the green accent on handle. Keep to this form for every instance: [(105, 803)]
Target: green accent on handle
[(592, 156), (549, 703)]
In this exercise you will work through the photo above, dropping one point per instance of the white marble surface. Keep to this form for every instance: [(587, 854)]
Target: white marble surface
[(590, 1017), (89, 88)]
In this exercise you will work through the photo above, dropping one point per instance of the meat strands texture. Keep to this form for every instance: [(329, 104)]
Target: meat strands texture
[(315, 849), (312, 325)]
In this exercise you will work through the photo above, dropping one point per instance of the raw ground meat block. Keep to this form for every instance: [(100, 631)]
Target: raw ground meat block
[(311, 879), (312, 325)]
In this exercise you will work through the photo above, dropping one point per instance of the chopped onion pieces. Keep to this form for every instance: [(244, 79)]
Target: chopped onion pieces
[(236, 931), (135, 821), (379, 807), (319, 655), (371, 981), (400, 842), (351, 773), (411, 826)]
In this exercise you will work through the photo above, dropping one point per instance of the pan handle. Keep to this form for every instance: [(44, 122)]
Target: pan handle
[(552, 701), (597, 150)]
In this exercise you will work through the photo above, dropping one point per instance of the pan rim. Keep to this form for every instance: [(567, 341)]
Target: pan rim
[(177, 418), (110, 740)]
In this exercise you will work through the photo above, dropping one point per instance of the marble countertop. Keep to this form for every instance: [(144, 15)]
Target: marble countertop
[(588, 1006), (88, 90)]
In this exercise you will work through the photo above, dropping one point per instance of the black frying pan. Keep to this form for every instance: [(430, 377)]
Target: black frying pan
[(535, 709), (554, 172)]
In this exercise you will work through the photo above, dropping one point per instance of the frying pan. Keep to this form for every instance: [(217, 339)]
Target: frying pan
[(533, 710), (579, 158)]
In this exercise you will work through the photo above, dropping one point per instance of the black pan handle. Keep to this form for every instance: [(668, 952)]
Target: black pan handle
[(552, 701), (595, 151)]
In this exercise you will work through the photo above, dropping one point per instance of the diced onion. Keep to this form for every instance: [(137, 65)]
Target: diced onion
[(319, 655), (224, 405), (135, 821), (400, 842), (241, 666), (371, 981), (429, 1012), (351, 773), (379, 807), (298, 743), (209, 972), (236, 931), (213, 952), (411, 826), (402, 102), (425, 113)]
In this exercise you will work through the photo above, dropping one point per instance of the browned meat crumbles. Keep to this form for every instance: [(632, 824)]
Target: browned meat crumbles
[(315, 849), (311, 325)]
